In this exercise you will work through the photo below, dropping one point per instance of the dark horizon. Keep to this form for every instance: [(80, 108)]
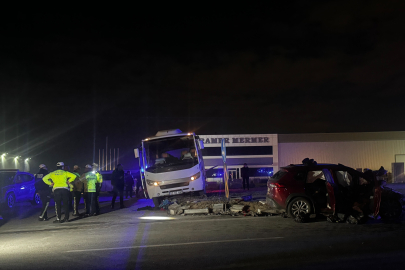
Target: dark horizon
[(67, 78)]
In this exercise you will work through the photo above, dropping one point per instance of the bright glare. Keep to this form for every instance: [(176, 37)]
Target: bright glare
[(157, 218), (155, 184), (192, 178)]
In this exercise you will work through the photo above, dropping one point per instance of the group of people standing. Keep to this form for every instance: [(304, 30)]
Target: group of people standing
[(67, 188), (123, 182)]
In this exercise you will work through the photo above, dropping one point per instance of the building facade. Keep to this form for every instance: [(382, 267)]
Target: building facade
[(265, 153), (258, 151)]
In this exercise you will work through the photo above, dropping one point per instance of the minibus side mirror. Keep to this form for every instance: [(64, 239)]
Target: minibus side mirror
[(201, 144)]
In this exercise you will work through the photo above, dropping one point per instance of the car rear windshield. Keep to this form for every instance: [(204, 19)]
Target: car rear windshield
[(6, 178), (278, 175)]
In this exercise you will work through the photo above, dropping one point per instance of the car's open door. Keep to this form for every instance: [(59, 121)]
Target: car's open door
[(332, 190), (377, 190)]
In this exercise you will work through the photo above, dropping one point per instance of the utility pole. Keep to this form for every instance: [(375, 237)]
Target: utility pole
[(106, 152)]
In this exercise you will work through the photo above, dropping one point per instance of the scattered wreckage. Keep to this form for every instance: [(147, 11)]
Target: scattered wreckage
[(213, 205), (304, 191), (341, 193)]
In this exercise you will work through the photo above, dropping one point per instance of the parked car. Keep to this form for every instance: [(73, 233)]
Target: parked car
[(17, 186), (329, 189)]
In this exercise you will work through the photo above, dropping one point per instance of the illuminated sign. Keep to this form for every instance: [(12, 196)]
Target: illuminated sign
[(245, 140)]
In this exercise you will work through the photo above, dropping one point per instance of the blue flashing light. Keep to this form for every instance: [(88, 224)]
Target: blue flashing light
[(141, 169)]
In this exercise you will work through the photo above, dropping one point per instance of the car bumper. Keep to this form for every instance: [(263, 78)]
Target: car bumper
[(273, 204)]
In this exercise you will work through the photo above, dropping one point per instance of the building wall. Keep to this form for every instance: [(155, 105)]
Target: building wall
[(355, 154), (243, 140)]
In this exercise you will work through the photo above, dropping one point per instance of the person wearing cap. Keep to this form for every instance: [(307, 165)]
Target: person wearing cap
[(117, 181), (67, 168), (43, 190), (98, 187), (90, 179), (77, 190), (60, 179)]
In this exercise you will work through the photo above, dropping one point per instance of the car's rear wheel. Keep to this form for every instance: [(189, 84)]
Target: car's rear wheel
[(10, 201), (299, 206), (390, 209), (36, 200)]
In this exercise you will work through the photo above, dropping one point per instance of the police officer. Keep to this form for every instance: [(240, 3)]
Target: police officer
[(98, 187), (43, 190), (59, 179), (66, 168), (90, 178), (77, 191)]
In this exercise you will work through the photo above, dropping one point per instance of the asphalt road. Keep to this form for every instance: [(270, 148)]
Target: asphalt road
[(124, 239)]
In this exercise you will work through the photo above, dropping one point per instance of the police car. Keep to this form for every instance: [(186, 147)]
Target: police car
[(17, 186)]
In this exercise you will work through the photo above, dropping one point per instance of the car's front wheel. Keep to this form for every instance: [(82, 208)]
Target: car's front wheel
[(36, 200), (299, 206), (10, 201)]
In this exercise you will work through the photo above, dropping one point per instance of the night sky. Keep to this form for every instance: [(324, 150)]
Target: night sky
[(69, 77)]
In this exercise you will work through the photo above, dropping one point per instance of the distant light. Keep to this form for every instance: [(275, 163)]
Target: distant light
[(189, 133), (141, 169), (157, 218), (146, 139)]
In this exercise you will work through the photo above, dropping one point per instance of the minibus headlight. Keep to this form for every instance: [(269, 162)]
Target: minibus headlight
[(153, 183), (195, 176)]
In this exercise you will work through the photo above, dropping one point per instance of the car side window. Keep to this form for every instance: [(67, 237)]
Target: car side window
[(27, 178), (314, 175), (344, 178), (300, 176), (19, 179)]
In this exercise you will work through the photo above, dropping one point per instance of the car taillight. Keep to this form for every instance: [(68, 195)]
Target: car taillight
[(276, 185)]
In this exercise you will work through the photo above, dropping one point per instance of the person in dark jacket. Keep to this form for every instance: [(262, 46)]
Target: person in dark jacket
[(43, 190), (138, 185), (245, 176), (118, 183), (129, 184), (78, 189)]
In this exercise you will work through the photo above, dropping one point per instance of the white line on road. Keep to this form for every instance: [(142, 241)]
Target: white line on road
[(177, 244)]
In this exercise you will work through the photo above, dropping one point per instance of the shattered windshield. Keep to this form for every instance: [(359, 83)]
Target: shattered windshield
[(6, 178), (170, 154)]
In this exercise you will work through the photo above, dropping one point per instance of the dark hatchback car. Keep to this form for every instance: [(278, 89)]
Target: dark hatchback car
[(328, 189), (17, 186)]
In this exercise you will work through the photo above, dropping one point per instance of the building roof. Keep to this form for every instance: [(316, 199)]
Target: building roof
[(339, 137)]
